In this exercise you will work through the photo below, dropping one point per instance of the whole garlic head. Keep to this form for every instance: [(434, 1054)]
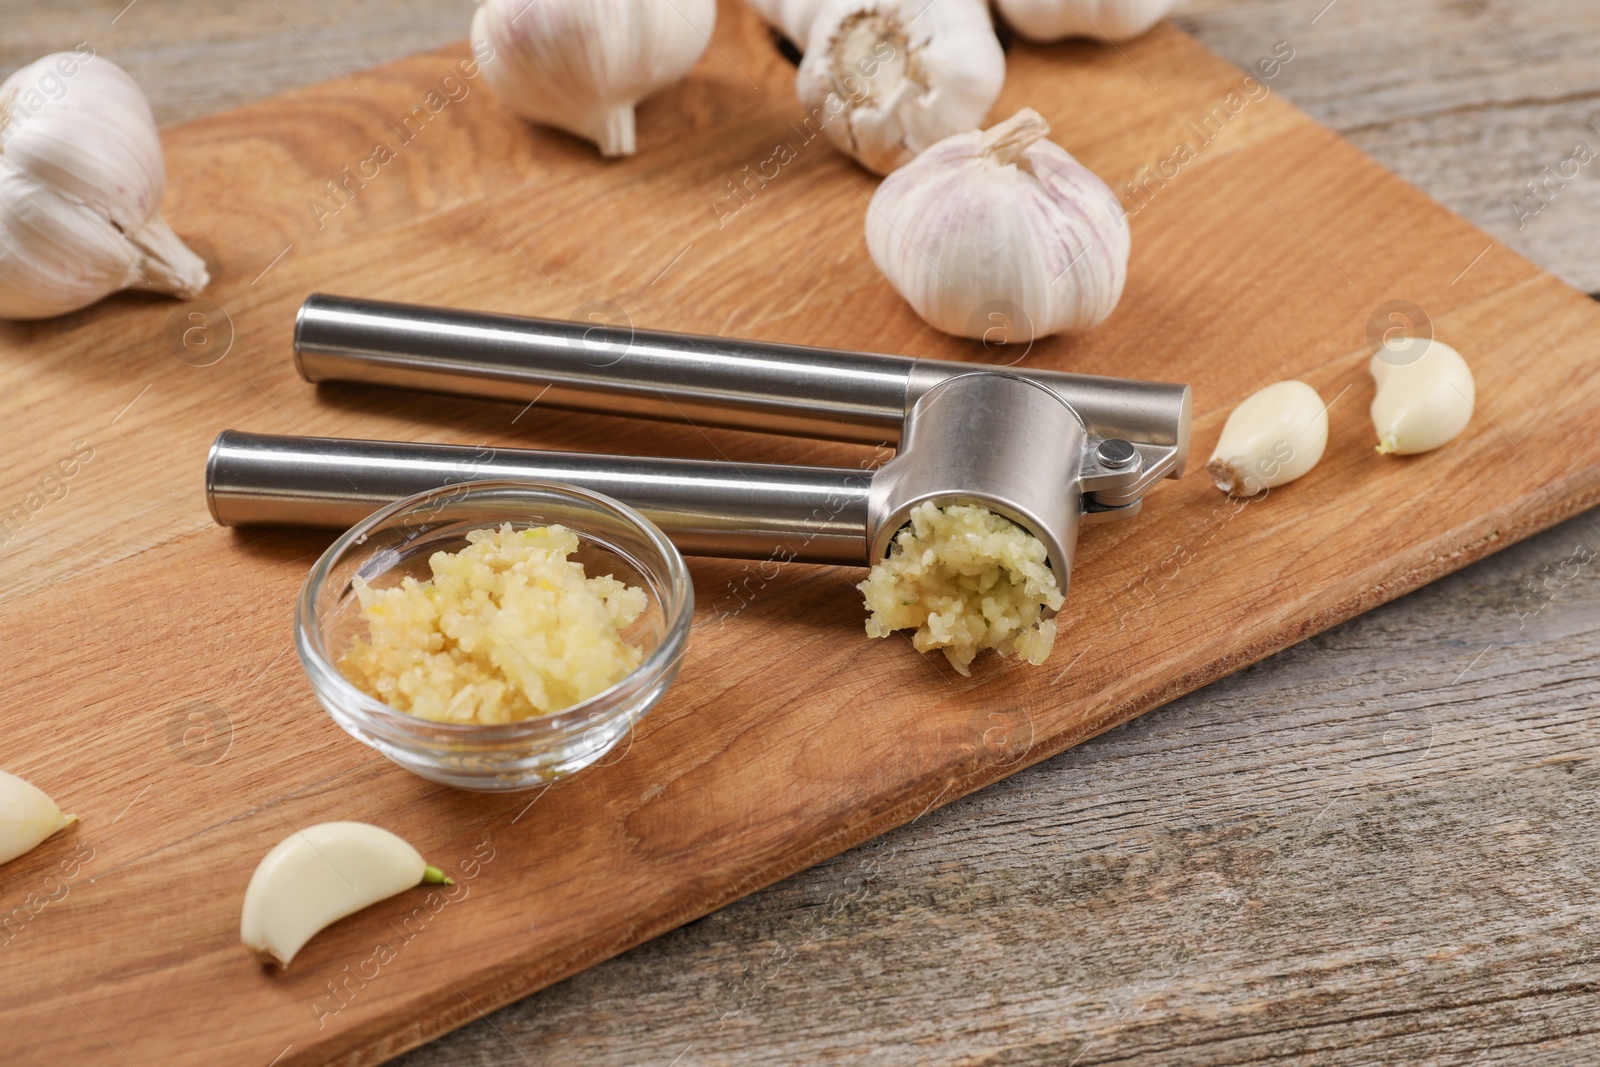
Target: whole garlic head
[(1002, 223), (1278, 434), (81, 181), (884, 79), (582, 65), (792, 18), (1425, 397), (1107, 20)]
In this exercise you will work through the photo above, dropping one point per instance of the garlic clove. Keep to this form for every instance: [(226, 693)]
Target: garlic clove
[(1426, 396), (581, 66), (1275, 436), (1001, 226), (1106, 20), (885, 79), (27, 817), (317, 876), (792, 18), (81, 182)]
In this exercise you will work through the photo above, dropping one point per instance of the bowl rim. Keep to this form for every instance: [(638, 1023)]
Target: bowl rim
[(324, 674)]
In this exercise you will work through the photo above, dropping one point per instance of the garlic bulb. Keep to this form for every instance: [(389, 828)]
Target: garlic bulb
[(1275, 436), (27, 817), (1425, 396), (81, 181), (1108, 20), (792, 18), (884, 79), (582, 65), (1001, 225), (317, 876)]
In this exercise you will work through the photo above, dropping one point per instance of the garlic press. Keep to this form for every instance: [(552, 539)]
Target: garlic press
[(1045, 449)]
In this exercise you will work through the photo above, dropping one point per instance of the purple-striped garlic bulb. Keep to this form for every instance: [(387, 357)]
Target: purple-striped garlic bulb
[(1000, 235)]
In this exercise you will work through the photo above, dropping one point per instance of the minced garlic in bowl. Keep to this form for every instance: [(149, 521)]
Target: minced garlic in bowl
[(965, 579), (507, 629)]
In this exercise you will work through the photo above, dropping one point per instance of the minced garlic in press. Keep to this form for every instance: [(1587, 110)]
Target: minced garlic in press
[(965, 579), (508, 628)]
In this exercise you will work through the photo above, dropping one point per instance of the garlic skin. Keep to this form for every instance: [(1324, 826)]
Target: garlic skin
[(884, 79), (1424, 400), (316, 876), (792, 18), (1004, 220), (582, 65), (27, 817), (1105, 20), (1278, 434), (81, 181)]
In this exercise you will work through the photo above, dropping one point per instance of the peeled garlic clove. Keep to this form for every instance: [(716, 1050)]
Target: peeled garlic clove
[(1275, 436), (581, 66), (792, 18), (1001, 225), (1107, 20), (27, 817), (317, 876), (1425, 396), (884, 79), (81, 181)]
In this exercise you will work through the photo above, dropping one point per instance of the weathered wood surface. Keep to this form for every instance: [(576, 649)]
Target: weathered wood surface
[(1468, 99), (1373, 847), (1377, 847)]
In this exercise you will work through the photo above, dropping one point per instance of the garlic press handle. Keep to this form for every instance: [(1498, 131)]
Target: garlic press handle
[(738, 511), (607, 365)]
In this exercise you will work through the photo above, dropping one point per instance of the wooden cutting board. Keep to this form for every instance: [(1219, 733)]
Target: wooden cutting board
[(150, 683)]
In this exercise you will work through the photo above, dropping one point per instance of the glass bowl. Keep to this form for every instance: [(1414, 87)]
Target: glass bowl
[(395, 543)]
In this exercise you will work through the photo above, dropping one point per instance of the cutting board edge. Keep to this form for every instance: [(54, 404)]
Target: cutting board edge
[(1492, 533)]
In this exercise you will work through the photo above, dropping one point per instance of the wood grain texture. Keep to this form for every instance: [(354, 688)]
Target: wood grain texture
[(830, 1030), (1467, 100), (1375, 847)]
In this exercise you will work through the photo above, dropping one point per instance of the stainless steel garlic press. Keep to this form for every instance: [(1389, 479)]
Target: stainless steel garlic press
[(1048, 450)]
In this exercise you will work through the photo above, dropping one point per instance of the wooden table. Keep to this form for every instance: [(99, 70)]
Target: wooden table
[(1376, 846)]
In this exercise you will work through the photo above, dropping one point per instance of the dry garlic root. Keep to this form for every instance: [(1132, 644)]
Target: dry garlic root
[(81, 181), (1001, 225), (27, 817), (1275, 436), (316, 876), (965, 579), (582, 65), (1108, 20), (1425, 396), (885, 79)]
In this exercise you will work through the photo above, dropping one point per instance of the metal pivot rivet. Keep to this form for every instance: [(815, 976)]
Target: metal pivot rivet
[(1114, 453)]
